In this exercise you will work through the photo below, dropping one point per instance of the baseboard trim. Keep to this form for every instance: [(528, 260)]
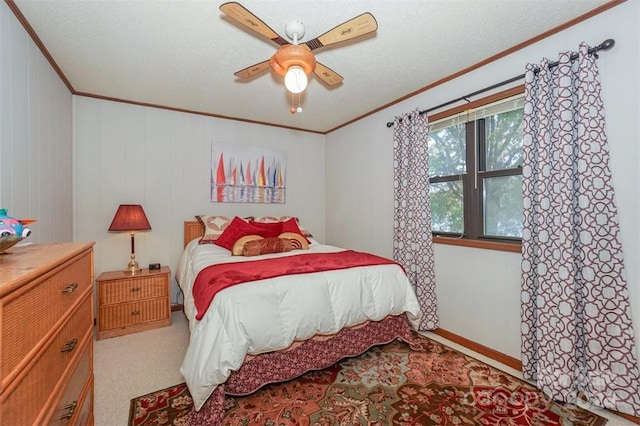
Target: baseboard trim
[(481, 349), (632, 419), (177, 307), (504, 359)]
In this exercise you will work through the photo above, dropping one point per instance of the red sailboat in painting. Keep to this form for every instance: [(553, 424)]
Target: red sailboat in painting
[(221, 179)]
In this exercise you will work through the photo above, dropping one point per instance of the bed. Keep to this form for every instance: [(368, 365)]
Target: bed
[(277, 328)]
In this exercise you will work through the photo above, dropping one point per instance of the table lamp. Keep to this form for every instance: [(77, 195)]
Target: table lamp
[(130, 218)]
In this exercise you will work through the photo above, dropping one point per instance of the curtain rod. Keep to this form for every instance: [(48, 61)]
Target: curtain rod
[(605, 45)]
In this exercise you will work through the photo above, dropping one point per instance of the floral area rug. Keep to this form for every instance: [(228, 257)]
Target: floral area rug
[(387, 385)]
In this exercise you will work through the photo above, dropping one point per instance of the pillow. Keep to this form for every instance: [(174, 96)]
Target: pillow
[(237, 228), (298, 242), (271, 219), (213, 227), (273, 229), (291, 225), (239, 245), (266, 245)]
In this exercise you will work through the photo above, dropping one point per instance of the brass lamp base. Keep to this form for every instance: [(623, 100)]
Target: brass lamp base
[(132, 267)]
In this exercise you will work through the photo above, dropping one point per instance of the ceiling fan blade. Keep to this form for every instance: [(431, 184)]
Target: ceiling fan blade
[(356, 27), (327, 75), (238, 13), (253, 70)]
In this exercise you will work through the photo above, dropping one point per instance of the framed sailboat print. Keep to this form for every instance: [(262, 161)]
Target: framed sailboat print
[(241, 174)]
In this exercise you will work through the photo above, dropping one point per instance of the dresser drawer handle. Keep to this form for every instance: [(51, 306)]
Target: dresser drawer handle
[(70, 288), (71, 408), (135, 289), (135, 312), (69, 346)]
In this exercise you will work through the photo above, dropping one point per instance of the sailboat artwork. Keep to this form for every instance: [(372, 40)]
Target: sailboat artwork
[(247, 175)]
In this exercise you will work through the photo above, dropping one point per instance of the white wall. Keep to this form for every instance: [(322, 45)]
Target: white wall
[(479, 290), (35, 136), (162, 159), (129, 154)]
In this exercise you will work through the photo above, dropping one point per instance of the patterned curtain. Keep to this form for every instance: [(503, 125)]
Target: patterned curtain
[(412, 240), (577, 335)]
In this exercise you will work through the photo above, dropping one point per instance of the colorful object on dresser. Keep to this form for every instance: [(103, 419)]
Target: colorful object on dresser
[(390, 384), (12, 226), (12, 230)]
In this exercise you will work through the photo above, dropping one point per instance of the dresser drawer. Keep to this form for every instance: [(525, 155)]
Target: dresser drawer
[(75, 404), (23, 403), (29, 314), (133, 288), (123, 315), (85, 412)]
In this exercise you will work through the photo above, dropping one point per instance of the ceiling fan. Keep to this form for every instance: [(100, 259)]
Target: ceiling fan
[(296, 61)]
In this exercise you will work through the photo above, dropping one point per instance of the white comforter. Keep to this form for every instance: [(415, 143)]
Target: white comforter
[(271, 314)]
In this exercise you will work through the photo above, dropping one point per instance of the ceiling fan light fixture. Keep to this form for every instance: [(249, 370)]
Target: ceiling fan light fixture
[(293, 54), (295, 80), (295, 62)]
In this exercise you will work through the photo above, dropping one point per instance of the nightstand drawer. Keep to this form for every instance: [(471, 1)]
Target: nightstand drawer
[(132, 303), (127, 290), (123, 315)]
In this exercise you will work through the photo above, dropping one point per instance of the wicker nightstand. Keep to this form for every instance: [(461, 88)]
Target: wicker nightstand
[(132, 303)]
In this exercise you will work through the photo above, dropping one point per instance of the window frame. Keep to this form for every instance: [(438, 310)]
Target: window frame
[(474, 227)]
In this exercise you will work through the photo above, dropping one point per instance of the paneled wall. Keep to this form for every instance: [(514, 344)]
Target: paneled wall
[(479, 290), (35, 136), (162, 159), (130, 154)]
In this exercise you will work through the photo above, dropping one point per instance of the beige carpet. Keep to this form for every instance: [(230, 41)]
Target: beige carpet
[(136, 364)]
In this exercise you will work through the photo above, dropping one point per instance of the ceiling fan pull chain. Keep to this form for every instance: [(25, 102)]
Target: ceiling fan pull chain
[(293, 109)]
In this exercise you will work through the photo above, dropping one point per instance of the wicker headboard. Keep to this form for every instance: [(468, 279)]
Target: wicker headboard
[(192, 229)]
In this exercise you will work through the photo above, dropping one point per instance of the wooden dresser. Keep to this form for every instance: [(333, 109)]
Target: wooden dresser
[(131, 303), (46, 340)]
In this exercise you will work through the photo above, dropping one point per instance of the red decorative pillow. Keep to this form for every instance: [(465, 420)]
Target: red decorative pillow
[(271, 219), (213, 226), (291, 225), (266, 245), (237, 228), (272, 229)]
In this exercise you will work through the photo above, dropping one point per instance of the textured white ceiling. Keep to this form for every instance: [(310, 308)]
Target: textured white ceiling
[(183, 53)]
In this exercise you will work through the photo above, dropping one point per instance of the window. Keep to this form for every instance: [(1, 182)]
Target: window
[(475, 160)]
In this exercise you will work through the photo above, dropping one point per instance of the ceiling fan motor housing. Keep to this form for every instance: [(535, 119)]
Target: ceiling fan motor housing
[(293, 54)]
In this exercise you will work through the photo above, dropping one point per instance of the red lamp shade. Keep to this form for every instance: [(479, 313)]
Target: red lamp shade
[(129, 217)]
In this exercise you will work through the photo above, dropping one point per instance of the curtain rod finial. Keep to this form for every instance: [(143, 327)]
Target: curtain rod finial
[(607, 44)]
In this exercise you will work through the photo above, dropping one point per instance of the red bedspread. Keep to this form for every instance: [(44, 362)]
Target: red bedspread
[(215, 278)]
